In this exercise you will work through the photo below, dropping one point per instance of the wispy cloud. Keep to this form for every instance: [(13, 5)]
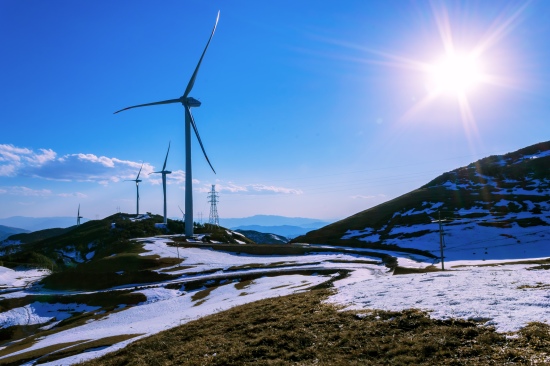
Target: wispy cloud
[(362, 197), (74, 194), (250, 189), (176, 177), (31, 192), (25, 191)]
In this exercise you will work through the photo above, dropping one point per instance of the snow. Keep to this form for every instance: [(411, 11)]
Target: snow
[(14, 279), (505, 296), (71, 252), (39, 313)]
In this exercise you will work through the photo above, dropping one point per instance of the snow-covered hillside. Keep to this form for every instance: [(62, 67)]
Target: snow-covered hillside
[(495, 208)]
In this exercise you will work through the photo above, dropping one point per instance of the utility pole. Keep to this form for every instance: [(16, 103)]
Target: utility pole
[(441, 239), (213, 220)]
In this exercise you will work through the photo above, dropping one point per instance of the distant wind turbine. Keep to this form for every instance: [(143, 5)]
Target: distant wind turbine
[(137, 180), (164, 172), (78, 217), (187, 103), (182, 214)]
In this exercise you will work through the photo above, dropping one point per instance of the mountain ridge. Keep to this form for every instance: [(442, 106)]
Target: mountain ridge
[(273, 220), (7, 231), (40, 223)]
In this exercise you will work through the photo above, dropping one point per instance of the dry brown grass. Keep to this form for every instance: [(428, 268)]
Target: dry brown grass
[(407, 270), (302, 330)]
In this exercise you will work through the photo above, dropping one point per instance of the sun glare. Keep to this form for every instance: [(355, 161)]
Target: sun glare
[(454, 74)]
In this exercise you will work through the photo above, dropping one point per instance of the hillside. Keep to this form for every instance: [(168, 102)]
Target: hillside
[(6, 231), (494, 208), (29, 237)]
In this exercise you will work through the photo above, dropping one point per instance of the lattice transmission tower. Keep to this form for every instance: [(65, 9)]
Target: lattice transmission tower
[(213, 199)]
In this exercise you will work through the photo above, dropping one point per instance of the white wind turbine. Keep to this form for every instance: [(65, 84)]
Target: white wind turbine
[(164, 172), (78, 217), (187, 103), (137, 180)]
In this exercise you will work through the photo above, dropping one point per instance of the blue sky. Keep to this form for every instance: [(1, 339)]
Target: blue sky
[(309, 108)]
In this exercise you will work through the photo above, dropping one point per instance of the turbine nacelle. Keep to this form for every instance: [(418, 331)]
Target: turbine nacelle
[(190, 102)]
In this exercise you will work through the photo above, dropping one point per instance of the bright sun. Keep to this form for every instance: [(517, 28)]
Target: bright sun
[(454, 74)]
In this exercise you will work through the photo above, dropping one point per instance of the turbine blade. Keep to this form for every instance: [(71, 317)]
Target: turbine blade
[(181, 210), (139, 172), (169, 101), (165, 160), (192, 81), (188, 111)]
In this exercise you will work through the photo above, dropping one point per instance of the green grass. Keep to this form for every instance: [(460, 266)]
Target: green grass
[(300, 329)]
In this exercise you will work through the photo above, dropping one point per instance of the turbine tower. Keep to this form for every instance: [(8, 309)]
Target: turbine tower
[(213, 220), (137, 180), (78, 217), (187, 103), (164, 172)]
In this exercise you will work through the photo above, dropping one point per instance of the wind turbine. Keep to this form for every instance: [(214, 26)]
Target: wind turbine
[(137, 180), (78, 217), (182, 215), (187, 103), (164, 172)]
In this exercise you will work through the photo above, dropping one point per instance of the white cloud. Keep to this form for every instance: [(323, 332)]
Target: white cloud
[(12, 158), (12, 153), (23, 162), (39, 159)]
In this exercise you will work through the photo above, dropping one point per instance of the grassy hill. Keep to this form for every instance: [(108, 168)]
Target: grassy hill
[(99, 254), (508, 192), (39, 235)]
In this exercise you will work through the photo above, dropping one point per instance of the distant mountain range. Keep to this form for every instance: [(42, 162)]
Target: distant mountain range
[(39, 223), (273, 220), (288, 227), (287, 231), (495, 208), (285, 226), (6, 231), (263, 238)]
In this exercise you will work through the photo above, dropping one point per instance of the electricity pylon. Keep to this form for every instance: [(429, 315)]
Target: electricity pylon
[(213, 220)]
